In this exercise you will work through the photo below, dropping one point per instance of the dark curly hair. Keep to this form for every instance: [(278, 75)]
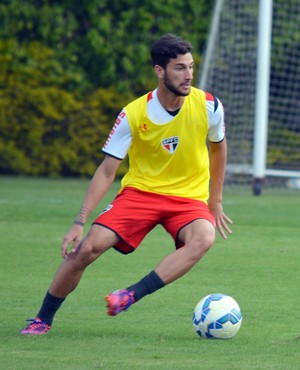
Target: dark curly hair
[(168, 46)]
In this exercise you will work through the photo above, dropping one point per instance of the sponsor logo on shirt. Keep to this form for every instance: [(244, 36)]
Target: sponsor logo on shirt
[(118, 121), (143, 127), (170, 144)]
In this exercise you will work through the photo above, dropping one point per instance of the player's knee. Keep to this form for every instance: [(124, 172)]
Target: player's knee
[(86, 253), (200, 244)]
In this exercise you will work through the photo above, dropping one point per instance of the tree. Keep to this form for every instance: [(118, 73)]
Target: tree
[(68, 67), (105, 42)]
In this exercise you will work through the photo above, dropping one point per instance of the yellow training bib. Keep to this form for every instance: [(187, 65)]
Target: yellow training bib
[(172, 158)]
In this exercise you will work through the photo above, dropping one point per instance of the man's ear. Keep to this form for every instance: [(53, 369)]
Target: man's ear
[(159, 71)]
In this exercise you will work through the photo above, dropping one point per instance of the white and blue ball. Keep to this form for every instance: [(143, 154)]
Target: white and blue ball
[(217, 316)]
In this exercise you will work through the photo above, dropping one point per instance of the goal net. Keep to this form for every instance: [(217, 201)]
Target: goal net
[(229, 70)]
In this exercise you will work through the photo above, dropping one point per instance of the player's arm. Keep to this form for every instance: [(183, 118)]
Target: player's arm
[(99, 185), (115, 148), (218, 158)]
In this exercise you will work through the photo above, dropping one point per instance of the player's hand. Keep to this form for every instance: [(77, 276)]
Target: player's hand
[(222, 220), (74, 235)]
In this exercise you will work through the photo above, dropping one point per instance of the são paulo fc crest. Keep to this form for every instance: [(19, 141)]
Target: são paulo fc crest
[(170, 144)]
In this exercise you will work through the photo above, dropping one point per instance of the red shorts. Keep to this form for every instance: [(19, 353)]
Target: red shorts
[(134, 213)]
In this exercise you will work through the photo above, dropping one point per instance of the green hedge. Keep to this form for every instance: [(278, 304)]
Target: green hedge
[(68, 67), (44, 128)]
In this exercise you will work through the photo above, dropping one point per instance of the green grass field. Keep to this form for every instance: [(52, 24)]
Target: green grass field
[(259, 265)]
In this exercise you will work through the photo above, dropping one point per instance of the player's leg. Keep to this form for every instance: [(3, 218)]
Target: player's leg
[(198, 236), (98, 240)]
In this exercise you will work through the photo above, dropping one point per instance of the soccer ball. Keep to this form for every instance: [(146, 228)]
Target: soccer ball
[(217, 316)]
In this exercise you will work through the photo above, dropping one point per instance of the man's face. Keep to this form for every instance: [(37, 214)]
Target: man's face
[(178, 74)]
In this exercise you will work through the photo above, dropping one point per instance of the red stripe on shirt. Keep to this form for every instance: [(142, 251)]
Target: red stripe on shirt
[(209, 96), (150, 96)]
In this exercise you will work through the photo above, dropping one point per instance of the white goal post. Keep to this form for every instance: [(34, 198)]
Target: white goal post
[(252, 63)]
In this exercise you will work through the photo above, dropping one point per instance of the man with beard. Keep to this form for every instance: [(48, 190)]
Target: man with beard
[(174, 179)]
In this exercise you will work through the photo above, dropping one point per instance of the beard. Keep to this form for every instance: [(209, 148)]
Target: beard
[(171, 87)]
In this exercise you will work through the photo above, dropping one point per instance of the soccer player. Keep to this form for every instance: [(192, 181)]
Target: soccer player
[(175, 139)]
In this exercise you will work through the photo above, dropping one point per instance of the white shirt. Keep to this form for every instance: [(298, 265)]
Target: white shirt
[(120, 138)]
